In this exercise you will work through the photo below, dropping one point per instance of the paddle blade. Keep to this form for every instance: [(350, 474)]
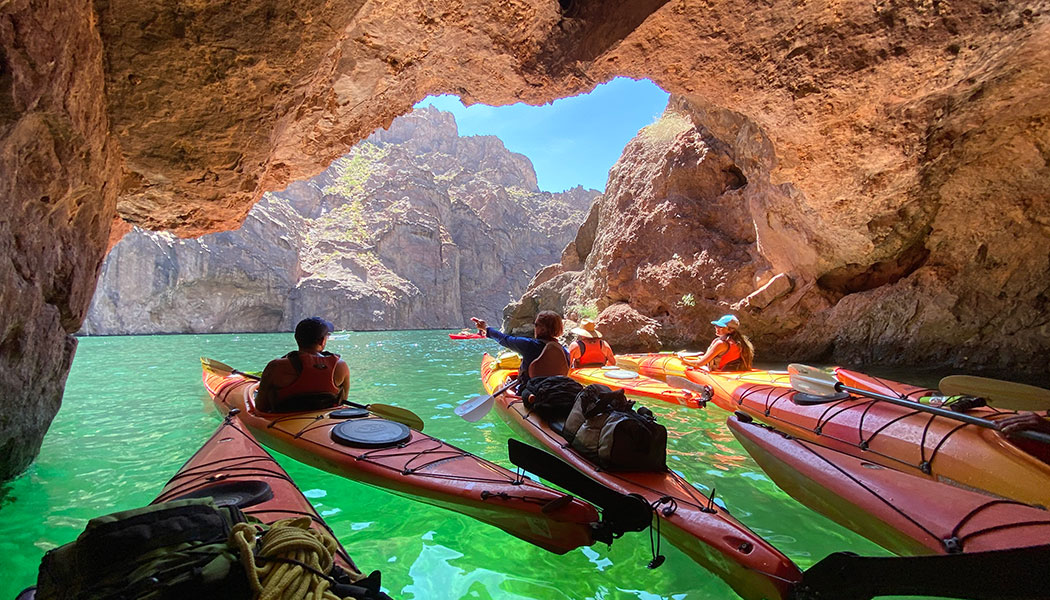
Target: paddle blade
[(476, 408), (812, 381), (629, 364), (396, 413), (1001, 394), (685, 384), (215, 366)]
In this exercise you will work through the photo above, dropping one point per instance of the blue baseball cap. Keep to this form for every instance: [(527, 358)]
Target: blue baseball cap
[(727, 321)]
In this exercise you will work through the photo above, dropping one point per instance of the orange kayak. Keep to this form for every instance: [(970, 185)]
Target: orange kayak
[(913, 441), (904, 513), (416, 466), (231, 464), (691, 521), (634, 384)]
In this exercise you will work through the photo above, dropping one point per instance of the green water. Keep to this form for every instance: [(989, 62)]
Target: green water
[(135, 410)]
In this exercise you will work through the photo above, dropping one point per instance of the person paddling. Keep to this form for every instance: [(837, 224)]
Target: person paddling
[(308, 378), (589, 349), (542, 355), (730, 351)]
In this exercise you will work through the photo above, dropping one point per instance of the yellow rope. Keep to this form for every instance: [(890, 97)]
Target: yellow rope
[(292, 539)]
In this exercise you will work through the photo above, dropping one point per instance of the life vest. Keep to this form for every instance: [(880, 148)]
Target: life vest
[(590, 355), (550, 362), (315, 388), (730, 356)]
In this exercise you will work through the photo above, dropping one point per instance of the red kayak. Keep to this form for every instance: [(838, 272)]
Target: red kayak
[(701, 529), (904, 513), (358, 445), (232, 465), (465, 336)]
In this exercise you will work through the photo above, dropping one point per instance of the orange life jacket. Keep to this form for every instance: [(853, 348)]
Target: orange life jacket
[(731, 355), (315, 388), (590, 355)]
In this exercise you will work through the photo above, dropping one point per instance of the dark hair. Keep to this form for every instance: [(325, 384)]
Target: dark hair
[(312, 331), (747, 349), (548, 324)]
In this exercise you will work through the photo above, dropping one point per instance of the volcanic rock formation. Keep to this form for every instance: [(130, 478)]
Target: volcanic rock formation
[(899, 148), (416, 228)]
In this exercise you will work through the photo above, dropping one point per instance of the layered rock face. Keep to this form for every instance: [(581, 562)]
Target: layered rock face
[(416, 228), (888, 141)]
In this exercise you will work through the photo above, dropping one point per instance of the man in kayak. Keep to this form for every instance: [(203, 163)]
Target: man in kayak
[(589, 349), (730, 351), (308, 378), (541, 356)]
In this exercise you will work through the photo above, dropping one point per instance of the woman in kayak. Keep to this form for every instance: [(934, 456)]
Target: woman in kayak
[(542, 355), (589, 349), (730, 351), (308, 378)]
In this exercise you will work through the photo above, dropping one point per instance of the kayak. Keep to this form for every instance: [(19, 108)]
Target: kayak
[(232, 466), (910, 440), (409, 463), (903, 513), (634, 384), (690, 520), (663, 365), (465, 336)]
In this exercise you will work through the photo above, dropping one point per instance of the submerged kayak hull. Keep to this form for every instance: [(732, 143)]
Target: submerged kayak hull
[(903, 513), (421, 468), (703, 530), (232, 456)]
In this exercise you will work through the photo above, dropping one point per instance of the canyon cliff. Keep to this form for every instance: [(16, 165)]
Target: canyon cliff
[(895, 152), (415, 228)]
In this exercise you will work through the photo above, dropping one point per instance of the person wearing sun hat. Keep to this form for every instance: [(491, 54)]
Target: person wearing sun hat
[(305, 379), (730, 351), (589, 349)]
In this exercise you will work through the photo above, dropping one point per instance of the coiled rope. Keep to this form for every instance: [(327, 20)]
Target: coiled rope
[(295, 557)]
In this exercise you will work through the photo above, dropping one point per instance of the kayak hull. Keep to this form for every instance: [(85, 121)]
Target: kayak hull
[(421, 468), (890, 435), (634, 384), (903, 513), (231, 455), (703, 530)]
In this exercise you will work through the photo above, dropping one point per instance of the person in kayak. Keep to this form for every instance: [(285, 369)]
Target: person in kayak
[(308, 378), (542, 355), (589, 349), (730, 351)]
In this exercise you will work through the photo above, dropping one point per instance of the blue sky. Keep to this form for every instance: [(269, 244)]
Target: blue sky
[(571, 141)]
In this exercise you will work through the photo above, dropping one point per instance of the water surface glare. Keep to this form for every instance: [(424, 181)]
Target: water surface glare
[(135, 410)]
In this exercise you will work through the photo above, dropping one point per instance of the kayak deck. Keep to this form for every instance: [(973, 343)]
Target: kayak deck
[(694, 523), (231, 456), (634, 384), (421, 468)]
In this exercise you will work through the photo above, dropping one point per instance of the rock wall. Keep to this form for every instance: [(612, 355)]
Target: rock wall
[(391, 236), (885, 128)]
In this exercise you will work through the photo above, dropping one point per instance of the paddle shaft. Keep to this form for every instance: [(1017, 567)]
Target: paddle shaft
[(941, 412)]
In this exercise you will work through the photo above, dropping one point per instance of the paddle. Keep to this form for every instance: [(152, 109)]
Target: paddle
[(620, 512), (809, 380), (477, 407), (1017, 573), (998, 393), (394, 413)]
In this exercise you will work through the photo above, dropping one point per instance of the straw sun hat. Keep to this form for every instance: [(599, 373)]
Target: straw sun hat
[(587, 329)]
